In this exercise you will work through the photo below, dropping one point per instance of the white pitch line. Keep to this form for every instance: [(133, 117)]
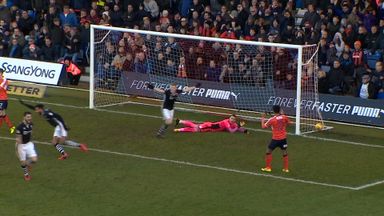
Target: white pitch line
[(205, 166), (369, 185)]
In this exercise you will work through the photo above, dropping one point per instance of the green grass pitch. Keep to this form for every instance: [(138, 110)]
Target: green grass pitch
[(130, 172)]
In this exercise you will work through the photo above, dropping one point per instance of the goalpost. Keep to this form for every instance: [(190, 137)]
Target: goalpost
[(246, 76)]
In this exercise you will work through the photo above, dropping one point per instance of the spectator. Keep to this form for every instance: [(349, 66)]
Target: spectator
[(140, 63), (349, 35), (378, 75), (372, 38), (198, 70), (15, 50), (181, 69), (335, 78), (339, 43), (84, 16), (5, 14), (242, 16), (25, 23), (32, 52), (19, 36), (57, 35), (85, 32), (94, 18), (334, 26), (358, 60), (170, 69), (159, 64), (67, 17), (72, 44), (289, 82), (48, 51), (58, 7), (129, 17), (366, 90), (116, 16), (361, 35), (310, 16), (119, 59), (128, 63), (281, 69), (152, 8), (213, 72), (322, 82), (73, 72)]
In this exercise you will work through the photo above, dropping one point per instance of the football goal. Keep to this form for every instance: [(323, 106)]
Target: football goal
[(245, 76)]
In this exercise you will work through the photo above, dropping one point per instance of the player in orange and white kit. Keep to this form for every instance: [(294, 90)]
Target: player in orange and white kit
[(226, 125), (4, 103), (278, 123)]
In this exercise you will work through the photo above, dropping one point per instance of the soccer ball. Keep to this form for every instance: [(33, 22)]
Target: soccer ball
[(319, 126)]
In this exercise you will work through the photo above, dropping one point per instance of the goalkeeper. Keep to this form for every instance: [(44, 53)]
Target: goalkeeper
[(170, 97), (227, 125)]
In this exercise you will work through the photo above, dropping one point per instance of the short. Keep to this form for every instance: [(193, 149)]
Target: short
[(282, 144), (3, 104), (25, 151), (60, 131), (167, 114)]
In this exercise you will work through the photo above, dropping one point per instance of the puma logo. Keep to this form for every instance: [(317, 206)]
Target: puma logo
[(235, 95)]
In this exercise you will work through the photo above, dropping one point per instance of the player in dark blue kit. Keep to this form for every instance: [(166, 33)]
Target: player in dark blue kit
[(170, 97), (25, 149), (61, 130)]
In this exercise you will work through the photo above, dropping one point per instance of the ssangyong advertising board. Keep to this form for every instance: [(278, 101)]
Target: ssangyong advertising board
[(332, 107), (31, 71)]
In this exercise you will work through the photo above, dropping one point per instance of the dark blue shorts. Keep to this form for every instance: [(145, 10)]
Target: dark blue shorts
[(3, 104), (282, 144)]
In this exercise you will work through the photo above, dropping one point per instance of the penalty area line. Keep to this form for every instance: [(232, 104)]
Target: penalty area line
[(185, 163)]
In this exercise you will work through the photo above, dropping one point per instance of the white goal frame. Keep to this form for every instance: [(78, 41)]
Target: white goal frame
[(212, 39)]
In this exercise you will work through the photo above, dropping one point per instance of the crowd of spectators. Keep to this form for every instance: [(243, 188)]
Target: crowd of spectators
[(350, 34)]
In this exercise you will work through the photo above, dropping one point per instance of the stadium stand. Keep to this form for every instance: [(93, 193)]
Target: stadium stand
[(349, 31)]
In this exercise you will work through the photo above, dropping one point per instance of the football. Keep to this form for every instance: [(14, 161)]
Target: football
[(319, 126)]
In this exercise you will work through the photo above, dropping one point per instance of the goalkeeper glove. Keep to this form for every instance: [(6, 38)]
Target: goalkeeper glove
[(197, 85), (149, 85)]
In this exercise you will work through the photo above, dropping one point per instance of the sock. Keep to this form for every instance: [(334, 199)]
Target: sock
[(187, 129), (188, 123), (8, 121), (162, 129), (1, 121), (285, 161), (30, 162), (268, 160), (71, 143), (25, 170), (60, 148)]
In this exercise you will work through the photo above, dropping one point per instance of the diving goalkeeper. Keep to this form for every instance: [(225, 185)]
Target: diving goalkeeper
[(226, 125)]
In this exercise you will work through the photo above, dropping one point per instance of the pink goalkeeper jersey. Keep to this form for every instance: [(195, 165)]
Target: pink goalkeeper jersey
[(227, 125)]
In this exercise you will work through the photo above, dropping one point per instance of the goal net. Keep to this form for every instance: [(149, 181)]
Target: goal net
[(244, 76)]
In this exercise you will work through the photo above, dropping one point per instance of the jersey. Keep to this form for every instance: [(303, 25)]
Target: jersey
[(3, 88), (54, 119), (169, 99), (25, 130), (278, 124), (224, 125)]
